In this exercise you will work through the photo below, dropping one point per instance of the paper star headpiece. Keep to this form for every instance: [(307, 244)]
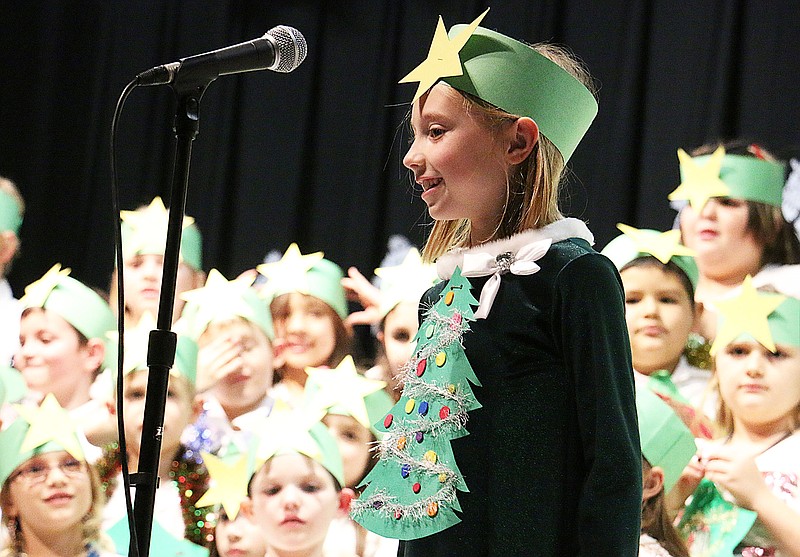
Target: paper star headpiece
[(634, 243), (442, 60), (223, 300), (43, 429), (405, 282), (229, 478), (747, 313), (700, 180), (73, 301), (144, 231), (308, 274), (344, 391)]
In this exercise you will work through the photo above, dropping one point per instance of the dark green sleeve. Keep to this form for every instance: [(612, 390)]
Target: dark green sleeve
[(590, 325)]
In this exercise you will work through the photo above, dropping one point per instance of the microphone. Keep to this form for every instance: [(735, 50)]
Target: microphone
[(281, 49)]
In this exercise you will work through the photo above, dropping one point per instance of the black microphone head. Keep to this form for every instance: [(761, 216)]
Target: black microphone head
[(290, 48)]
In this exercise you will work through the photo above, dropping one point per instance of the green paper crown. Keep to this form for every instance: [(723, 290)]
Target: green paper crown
[(38, 430), (666, 441), (223, 300), (750, 178), (144, 232), (307, 274), (73, 301), (516, 78), (10, 217), (784, 322), (633, 244), (12, 385)]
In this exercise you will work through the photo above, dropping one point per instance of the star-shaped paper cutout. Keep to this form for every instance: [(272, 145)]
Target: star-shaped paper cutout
[(748, 313), (49, 422), (342, 386), (288, 430), (442, 60), (228, 486), (663, 246), (700, 182), (137, 339), (219, 296), (36, 293), (290, 270), (149, 226)]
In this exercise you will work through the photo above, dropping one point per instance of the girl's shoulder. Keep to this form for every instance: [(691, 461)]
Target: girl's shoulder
[(782, 456)]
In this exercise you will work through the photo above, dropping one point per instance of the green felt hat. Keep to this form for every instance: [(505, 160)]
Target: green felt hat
[(223, 300), (307, 274), (300, 432), (665, 246), (723, 175), (38, 430), (12, 385), (10, 217), (144, 232), (665, 439), (76, 303), (406, 282), (513, 77), (136, 345)]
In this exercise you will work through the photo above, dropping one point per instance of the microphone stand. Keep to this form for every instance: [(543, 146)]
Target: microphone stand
[(189, 86)]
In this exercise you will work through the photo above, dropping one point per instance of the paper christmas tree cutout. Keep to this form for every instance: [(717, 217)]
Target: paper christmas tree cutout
[(412, 489)]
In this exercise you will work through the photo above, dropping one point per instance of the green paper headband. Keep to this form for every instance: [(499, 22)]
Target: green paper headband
[(623, 249), (322, 281), (135, 242), (516, 78), (12, 385), (10, 217), (73, 301), (751, 178), (666, 441), (185, 359), (378, 405), (784, 322)]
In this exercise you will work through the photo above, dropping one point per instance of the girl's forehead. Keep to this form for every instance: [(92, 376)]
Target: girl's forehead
[(291, 466)]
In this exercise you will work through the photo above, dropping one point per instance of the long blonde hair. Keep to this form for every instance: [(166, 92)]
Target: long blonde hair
[(532, 187)]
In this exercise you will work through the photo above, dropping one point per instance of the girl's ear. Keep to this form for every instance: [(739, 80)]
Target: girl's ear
[(653, 483), (525, 134), (246, 508), (346, 496)]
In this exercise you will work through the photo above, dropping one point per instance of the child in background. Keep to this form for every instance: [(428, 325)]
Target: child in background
[(394, 307), (659, 274), (733, 221), (144, 237), (755, 462), (50, 496), (182, 475), (12, 209), (233, 329), (352, 404), (551, 465), (667, 447), (308, 308), (298, 492), (62, 341)]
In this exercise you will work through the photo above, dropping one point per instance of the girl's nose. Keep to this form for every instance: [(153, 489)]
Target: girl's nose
[(413, 158), (755, 363), (709, 209)]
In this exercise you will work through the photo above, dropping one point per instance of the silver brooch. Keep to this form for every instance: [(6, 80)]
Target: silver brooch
[(504, 262)]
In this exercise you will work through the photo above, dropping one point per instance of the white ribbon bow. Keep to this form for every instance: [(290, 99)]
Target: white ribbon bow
[(520, 263)]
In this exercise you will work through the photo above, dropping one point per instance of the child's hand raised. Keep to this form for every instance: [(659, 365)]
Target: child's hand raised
[(727, 467), (359, 289), (217, 359)]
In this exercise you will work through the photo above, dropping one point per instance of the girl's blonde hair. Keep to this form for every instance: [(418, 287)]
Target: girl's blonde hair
[(532, 187), (90, 523)]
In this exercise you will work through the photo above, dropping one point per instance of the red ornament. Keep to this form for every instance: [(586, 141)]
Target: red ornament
[(387, 421), (416, 487), (421, 367), (444, 412)]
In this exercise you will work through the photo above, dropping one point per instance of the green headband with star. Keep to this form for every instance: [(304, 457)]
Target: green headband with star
[(765, 317), (76, 303), (634, 243), (723, 175), (511, 76), (144, 232), (307, 274), (38, 430), (10, 217), (666, 441)]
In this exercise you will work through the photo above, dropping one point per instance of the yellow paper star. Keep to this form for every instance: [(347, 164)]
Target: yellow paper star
[(218, 297), (700, 182), (290, 270), (288, 430), (442, 60), (663, 246), (342, 386), (49, 422), (137, 339), (228, 484), (36, 293), (149, 226), (746, 313)]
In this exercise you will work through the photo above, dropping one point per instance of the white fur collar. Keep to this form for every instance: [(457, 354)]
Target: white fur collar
[(557, 231)]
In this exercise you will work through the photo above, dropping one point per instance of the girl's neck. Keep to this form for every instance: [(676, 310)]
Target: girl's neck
[(649, 368), (311, 552), (78, 396), (233, 412), (713, 285), (67, 543), (760, 436), (296, 377)]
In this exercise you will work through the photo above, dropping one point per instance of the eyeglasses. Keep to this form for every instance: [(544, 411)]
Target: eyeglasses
[(37, 472)]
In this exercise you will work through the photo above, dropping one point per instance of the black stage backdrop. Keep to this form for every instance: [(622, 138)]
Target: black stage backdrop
[(314, 156)]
